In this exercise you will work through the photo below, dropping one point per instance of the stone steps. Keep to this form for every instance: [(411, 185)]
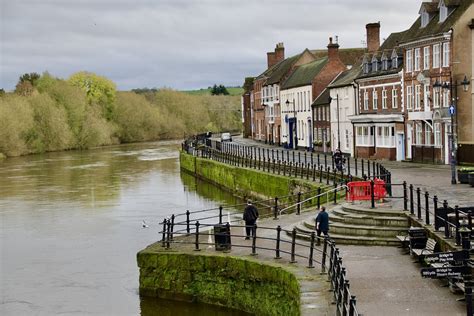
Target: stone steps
[(360, 230), (341, 216)]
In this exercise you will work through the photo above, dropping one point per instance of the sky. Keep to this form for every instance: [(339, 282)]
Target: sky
[(179, 44)]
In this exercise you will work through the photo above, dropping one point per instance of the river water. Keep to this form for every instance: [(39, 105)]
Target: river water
[(71, 225)]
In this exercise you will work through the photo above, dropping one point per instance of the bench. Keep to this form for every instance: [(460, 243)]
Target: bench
[(428, 250)]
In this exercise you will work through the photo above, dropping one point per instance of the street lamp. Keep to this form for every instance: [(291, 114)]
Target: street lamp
[(452, 111), (337, 109), (294, 115)]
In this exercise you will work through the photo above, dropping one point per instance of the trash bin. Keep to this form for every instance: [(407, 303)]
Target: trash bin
[(418, 237), (222, 237)]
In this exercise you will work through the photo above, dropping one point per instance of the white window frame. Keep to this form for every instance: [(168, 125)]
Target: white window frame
[(418, 134), (446, 54), (394, 98), (425, 18), (426, 96), (436, 99), (437, 134), (409, 61), (409, 97), (346, 133), (366, 100), (363, 136), (446, 98), (384, 99), (436, 56), (385, 136), (443, 12), (375, 99), (428, 132), (395, 62), (417, 59), (417, 97), (426, 58), (375, 64)]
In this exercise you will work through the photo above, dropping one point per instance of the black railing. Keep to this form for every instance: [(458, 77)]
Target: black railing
[(269, 239)]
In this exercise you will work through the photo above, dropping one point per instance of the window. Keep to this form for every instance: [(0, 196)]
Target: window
[(347, 139), (437, 134), (384, 99), (417, 59), (363, 136), (366, 67), (446, 98), (394, 98), (428, 133), (436, 56), (426, 97), (443, 12), (374, 64), (385, 136), (384, 63), (409, 97), (374, 99), (426, 57), (418, 133), (366, 100), (435, 99), (395, 62), (446, 54), (417, 97), (424, 18), (409, 61)]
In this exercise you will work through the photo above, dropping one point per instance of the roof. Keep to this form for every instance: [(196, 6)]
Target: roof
[(322, 99), (433, 27), (346, 77), (304, 74), (349, 56), (281, 69)]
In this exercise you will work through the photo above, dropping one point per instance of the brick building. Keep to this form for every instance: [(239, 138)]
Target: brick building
[(246, 109)]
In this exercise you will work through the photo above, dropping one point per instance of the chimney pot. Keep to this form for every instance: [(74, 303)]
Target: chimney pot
[(373, 37)]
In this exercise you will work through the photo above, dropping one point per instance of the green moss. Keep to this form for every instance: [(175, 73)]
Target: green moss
[(221, 280)]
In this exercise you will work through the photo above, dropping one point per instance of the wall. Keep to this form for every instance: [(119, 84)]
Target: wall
[(243, 284), (346, 108)]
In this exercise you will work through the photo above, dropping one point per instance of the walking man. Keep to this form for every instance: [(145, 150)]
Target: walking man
[(322, 223), (250, 218)]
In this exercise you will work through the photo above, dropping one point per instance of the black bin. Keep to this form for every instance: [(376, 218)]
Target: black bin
[(222, 237), (418, 238)]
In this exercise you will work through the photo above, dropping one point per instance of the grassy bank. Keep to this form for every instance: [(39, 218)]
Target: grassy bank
[(85, 111)]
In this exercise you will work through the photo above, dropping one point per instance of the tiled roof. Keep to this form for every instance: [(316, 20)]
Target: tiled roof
[(346, 77), (322, 99), (303, 75), (349, 56)]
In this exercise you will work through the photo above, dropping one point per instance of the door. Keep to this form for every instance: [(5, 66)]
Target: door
[(409, 140), (290, 133), (400, 147)]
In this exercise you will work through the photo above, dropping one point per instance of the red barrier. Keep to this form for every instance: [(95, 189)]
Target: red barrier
[(361, 190)]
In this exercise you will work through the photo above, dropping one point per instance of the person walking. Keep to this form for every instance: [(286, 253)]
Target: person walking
[(322, 224), (338, 159), (250, 218)]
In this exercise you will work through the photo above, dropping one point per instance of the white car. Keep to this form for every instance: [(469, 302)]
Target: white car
[(226, 137)]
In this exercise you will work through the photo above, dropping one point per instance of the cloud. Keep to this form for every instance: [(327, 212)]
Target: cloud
[(182, 44)]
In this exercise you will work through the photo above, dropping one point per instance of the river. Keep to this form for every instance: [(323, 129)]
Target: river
[(71, 225)]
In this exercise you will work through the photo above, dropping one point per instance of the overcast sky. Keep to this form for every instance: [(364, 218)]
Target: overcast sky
[(182, 44)]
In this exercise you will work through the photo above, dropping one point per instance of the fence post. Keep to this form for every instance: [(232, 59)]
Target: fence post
[(372, 194), (320, 168), (172, 226), (446, 225), (188, 229), (345, 298), (327, 175), (307, 171), (293, 244), (275, 209), (435, 209), (311, 248), (284, 168), (412, 209), (335, 193), (196, 243), (355, 161), (319, 197), (352, 305), (325, 161), (427, 208), (319, 161), (458, 235), (298, 205), (418, 202), (163, 238), (279, 165), (324, 254), (362, 165), (254, 240), (277, 248), (405, 196), (314, 172), (368, 168)]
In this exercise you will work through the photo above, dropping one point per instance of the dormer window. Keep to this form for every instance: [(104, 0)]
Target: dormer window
[(374, 64), (425, 18), (366, 67), (384, 63), (395, 62), (443, 11)]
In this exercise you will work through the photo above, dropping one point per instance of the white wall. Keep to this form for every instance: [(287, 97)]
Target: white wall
[(302, 98), (347, 105)]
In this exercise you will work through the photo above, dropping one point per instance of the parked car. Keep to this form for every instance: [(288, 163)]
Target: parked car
[(226, 137)]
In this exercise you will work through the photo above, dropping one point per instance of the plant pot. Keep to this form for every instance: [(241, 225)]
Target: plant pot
[(463, 176), (471, 179)]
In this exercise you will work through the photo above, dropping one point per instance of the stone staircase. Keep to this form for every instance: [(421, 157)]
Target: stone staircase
[(357, 224)]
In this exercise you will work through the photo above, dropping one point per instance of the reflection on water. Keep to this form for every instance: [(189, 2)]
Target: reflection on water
[(71, 226)]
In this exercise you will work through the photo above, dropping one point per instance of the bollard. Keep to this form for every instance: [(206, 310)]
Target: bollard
[(163, 238), (275, 209), (220, 214), (196, 243), (298, 205), (293, 245), (427, 208), (319, 197), (405, 196), (277, 248), (311, 249), (418, 202), (412, 209), (254, 240), (188, 229), (172, 226), (372, 194)]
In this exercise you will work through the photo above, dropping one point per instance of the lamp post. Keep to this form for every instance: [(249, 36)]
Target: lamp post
[(338, 129), (452, 87), (294, 116)]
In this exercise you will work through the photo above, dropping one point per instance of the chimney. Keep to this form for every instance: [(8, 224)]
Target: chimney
[(333, 50), (276, 56), (373, 37)]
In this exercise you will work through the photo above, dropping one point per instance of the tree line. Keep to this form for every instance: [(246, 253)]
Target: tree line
[(86, 110)]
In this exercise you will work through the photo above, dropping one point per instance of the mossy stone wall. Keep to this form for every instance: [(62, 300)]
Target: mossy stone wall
[(247, 285), (243, 181)]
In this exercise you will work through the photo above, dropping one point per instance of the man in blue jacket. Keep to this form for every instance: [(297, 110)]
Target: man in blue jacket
[(322, 223)]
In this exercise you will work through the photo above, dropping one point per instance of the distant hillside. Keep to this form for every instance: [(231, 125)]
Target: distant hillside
[(232, 91)]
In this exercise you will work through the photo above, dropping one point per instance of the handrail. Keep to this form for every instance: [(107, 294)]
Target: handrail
[(310, 198)]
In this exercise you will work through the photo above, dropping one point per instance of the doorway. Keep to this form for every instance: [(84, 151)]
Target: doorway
[(409, 139), (400, 146)]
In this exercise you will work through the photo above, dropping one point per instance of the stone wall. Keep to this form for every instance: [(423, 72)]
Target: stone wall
[(243, 284)]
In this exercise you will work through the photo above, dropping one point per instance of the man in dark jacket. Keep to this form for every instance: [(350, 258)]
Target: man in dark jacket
[(250, 218), (322, 223)]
